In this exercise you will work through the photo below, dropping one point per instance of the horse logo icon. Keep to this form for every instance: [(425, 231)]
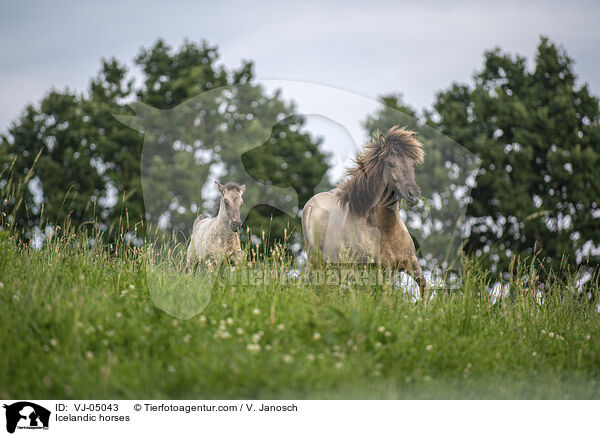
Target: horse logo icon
[(26, 415)]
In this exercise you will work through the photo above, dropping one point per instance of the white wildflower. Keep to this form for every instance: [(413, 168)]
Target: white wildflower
[(222, 334)]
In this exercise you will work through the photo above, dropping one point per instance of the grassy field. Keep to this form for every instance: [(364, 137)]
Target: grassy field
[(81, 323)]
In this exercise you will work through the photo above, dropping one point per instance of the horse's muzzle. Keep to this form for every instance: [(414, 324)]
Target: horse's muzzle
[(412, 203), (413, 196)]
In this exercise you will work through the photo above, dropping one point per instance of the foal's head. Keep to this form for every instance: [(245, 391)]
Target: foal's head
[(232, 201), (400, 151)]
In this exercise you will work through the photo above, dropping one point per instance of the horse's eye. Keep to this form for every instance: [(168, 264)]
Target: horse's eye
[(390, 164)]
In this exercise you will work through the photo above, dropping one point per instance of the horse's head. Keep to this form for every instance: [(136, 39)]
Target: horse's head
[(400, 176), (232, 201), (401, 152)]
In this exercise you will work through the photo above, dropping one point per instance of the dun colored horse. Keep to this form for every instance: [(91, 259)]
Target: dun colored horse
[(359, 221), (215, 239)]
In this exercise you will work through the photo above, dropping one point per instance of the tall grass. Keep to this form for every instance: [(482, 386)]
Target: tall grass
[(80, 319)]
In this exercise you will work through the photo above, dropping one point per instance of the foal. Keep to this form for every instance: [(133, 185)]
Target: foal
[(215, 239)]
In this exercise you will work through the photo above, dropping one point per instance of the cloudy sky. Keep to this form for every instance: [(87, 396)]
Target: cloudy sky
[(416, 48)]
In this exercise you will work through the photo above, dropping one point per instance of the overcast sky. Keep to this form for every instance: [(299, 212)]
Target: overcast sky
[(367, 48)]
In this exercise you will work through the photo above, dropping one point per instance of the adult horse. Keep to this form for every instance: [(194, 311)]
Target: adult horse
[(359, 221)]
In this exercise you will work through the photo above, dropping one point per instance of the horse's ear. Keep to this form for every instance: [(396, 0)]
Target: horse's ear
[(243, 188), (220, 187), (381, 140)]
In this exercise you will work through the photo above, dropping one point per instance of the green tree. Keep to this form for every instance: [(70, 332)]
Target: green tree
[(537, 133), (91, 156), (288, 158), (117, 149), (66, 183)]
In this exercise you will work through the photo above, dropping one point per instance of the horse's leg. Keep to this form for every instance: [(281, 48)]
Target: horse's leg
[(415, 271), (233, 250), (237, 257)]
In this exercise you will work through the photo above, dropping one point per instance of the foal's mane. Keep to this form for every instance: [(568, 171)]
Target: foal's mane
[(233, 186), (365, 176)]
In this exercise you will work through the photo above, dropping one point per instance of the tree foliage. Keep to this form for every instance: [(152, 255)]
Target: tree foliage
[(89, 167), (537, 132)]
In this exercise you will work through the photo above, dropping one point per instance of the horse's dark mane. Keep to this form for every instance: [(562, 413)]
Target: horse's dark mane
[(365, 177)]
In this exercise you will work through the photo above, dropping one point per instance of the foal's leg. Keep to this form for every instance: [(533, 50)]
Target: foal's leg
[(233, 251), (237, 258), (415, 271)]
